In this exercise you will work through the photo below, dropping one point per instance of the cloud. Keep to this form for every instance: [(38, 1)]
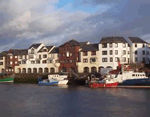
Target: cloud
[(24, 22)]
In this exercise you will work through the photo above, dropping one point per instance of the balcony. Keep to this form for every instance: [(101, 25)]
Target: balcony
[(8, 65)]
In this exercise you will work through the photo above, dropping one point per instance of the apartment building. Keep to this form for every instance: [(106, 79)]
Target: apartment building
[(89, 58), (38, 58), (139, 50), (112, 50)]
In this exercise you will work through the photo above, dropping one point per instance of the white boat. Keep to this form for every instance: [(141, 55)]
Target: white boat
[(128, 77), (61, 78)]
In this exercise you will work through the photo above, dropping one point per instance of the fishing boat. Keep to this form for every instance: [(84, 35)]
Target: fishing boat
[(7, 78), (107, 82)]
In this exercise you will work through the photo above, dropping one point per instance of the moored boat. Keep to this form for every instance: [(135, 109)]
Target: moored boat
[(7, 79), (107, 82)]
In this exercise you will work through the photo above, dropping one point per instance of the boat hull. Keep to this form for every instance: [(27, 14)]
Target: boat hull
[(142, 82), (103, 85), (41, 83), (63, 82), (6, 80)]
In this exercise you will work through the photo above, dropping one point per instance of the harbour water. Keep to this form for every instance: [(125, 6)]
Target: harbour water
[(31, 100)]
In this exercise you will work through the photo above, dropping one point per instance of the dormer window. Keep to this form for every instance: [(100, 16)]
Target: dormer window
[(67, 54), (143, 45), (32, 51), (44, 50), (135, 44)]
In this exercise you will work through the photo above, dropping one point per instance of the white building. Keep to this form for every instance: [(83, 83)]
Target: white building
[(139, 51), (112, 48), (38, 59)]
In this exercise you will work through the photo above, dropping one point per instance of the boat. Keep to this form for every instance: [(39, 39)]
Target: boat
[(52, 80), (5, 78), (130, 77), (107, 82), (43, 82)]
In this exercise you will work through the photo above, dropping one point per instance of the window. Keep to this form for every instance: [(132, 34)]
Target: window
[(93, 52), (128, 52), (143, 52), (143, 45), (135, 45), (56, 61), (104, 45), (31, 56), (16, 57), (67, 61), (20, 56), (85, 60), (44, 55), (133, 74), (116, 45), (70, 54), (1, 63), (104, 52), (116, 59), (32, 51), (110, 52), (19, 62), (104, 59), (38, 62), (24, 62), (1, 58), (116, 52), (124, 59), (44, 61), (110, 45), (147, 52), (124, 52), (32, 62), (111, 59), (136, 59), (11, 63), (93, 60), (135, 52), (39, 56), (124, 45), (10, 57), (15, 62), (143, 59), (70, 61), (85, 53)]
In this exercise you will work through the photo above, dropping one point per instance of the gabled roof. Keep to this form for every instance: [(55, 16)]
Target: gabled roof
[(113, 40), (35, 45), (72, 42), (48, 47), (90, 47), (55, 50), (137, 40)]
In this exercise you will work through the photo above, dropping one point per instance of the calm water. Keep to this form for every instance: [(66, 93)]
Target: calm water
[(28, 100)]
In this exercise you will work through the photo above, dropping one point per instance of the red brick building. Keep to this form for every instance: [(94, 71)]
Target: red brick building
[(69, 56)]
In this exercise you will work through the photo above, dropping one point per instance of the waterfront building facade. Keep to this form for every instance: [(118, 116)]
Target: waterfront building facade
[(89, 59), (113, 50), (81, 57), (139, 50)]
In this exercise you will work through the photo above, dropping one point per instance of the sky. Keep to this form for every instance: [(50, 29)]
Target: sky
[(53, 22)]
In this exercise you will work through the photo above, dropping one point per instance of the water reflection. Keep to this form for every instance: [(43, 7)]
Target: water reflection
[(33, 100)]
